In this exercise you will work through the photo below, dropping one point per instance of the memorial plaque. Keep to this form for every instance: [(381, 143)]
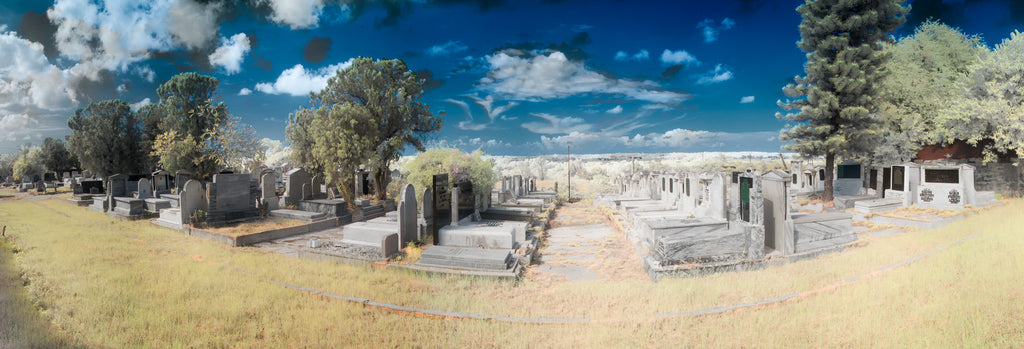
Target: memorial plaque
[(745, 184)]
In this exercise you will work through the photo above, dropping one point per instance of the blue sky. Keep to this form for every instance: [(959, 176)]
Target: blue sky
[(509, 77)]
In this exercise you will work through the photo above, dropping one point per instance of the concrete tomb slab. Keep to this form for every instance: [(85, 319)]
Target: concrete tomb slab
[(467, 258), (878, 205), (483, 234), (821, 230), (156, 204), (304, 216), (330, 208)]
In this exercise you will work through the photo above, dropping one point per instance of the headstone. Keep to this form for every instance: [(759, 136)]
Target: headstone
[(192, 198), (268, 193), (316, 186), (145, 189), (455, 207), (778, 224), (442, 204), (118, 185), (180, 178), (92, 186), (719, 202), (407, 214), (161, 182), (294, 179), (231, 197), (307, 191)]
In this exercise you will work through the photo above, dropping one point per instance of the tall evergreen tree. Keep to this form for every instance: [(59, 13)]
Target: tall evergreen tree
[(836, 99)]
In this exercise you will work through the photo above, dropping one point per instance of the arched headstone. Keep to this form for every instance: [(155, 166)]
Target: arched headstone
[(294, 179), (268, 193), (407, 214), (192, 198), (145, 189)]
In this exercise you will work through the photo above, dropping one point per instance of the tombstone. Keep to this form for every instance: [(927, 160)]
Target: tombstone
[(407, 215), (517, 185), (92, 186), (268, 192), (455, 206), (145, 189), (307, 191), (192, 198), (504, 184), (180, 178), (427, 214), (294, 180), (946, 187), (849, 179), (717, 199), (442, 204), (778, 225), (65, 175), (161, 182), (118, 185), (316, 186)]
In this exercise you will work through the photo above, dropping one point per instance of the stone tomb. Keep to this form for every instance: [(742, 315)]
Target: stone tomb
[(268, 191), (467, 258), (231, 197), (180, 178), (849, 179), (407, 214), (162, 183), (329, 207), (145, 189), (293, 188), (383, 237), (483, 234)]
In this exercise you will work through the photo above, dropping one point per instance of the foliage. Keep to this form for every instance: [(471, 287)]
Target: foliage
[(995, 98), (386, 94), (421, 170), (106, 137), (196, 134), (29, 163), (55, 156), (152, 117), (923, 81), (342, 136), (7, 164), (837, 96)]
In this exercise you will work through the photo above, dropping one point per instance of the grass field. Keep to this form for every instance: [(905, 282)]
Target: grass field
[(98, 282)]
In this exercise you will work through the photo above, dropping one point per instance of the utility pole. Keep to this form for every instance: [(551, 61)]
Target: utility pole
[(568, 174)]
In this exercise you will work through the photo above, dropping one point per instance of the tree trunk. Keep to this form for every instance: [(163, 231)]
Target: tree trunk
[(380, 183), (830, 168)]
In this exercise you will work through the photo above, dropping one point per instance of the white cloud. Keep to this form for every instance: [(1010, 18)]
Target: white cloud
[(16, 122), (678, 57), (674, 139), (28, 79), (747, 99), (244, 92), (231, 53), (447, 48), (556, 125), (641, 55), (296, 14), (487, 104), (616, 110), (297, 81), (710, 31), (719, 74), (138, 105), (539, 76)]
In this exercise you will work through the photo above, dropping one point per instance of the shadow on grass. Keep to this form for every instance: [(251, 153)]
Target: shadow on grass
[(21, 324)]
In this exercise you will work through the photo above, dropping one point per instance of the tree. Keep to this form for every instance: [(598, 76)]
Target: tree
[(195, 134), (28, 164), (388, 93), (842, 39), (366, 115), (924, 80), (995, 99), (421, 170), (152, 117), (7, 165), (106, 138), (55, 156)]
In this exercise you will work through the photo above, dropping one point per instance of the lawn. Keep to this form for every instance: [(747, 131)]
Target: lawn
[(100, 282)]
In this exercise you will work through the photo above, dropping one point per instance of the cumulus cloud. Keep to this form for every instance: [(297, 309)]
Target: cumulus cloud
[(538, 76), (298, 81), (719, 74), (447, 48), (641, 55), (680, 57), (296, 14), (710, 30), (28, 79), (747, 99), (616, 110), (230, 53), (244, 92), (672, 140)]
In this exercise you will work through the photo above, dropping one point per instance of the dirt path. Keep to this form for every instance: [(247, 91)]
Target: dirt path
[(581, 246)]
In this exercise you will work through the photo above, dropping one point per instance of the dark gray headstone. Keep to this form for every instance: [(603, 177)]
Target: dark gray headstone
[(145, 190), (407, 214)]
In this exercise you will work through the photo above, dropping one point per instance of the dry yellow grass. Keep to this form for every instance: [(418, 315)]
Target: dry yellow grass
[(264, 224), (106, 290)]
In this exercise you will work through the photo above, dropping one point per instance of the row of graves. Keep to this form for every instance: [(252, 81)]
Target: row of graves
[(871, 189), (687, 224), (469, 235)]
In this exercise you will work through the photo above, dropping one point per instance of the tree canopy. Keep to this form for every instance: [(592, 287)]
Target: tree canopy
[(366, 115), (923, 83), (836, 99), (994, 99), (421, 170), (56, 158), (106, 137)]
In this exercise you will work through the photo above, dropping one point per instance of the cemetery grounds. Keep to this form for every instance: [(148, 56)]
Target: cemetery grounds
[(70, 277)]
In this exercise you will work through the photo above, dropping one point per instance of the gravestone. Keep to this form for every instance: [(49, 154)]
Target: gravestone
[(268, 193), (231, 197), (118, 185), (92, 187), (455, 207), (407, 214), (145, 189), (316, 185), (778, 225), (442, 204), (161, 182), (192, 198), (307, 191), (427, 214), (719, 202), (294, 179), (180, 178)]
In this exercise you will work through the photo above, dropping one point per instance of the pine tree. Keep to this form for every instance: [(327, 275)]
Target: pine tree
[(836, 99)]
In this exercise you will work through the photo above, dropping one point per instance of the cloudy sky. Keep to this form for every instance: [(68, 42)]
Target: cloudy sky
[(510, 77)]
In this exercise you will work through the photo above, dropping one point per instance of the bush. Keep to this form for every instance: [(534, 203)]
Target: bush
[(421, 170)]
